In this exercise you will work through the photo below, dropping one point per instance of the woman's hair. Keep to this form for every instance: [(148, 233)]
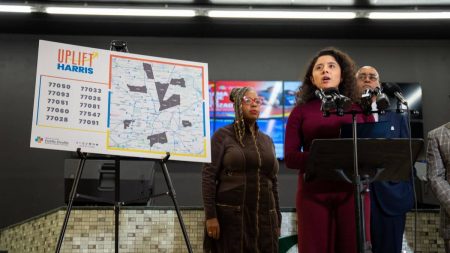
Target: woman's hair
[(236, 96), (346, 86)]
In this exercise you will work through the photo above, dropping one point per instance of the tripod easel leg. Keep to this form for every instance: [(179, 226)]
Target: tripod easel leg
[(73, 193), (116, 204), (173, 196)]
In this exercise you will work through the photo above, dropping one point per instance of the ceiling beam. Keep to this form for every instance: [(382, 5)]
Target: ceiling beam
[(362, 3), (40, 23)]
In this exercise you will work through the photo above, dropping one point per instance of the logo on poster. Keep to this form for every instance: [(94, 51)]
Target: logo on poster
[(76, 61), (86, 144), (56, 141), (38, 139)]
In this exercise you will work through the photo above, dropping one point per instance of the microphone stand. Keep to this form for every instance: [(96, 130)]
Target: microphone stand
[(361, 185)]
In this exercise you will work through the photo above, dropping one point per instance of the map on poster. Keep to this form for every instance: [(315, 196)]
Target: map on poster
[(117, 103)]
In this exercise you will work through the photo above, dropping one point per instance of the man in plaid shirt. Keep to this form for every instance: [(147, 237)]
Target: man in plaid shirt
[(438, 164)]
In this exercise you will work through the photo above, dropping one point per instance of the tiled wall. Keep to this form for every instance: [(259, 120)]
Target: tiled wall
[(427, 236), (155, 230)]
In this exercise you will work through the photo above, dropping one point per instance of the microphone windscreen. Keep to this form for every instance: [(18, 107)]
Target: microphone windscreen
[(391, 88), (382, 102), (346, 103), (367, 94), (366, 101), (318, 94)]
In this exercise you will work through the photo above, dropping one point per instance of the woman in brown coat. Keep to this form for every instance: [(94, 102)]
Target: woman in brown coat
[(240, 191)]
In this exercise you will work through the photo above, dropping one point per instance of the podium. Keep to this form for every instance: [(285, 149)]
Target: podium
[(377, 159), (380, 159)]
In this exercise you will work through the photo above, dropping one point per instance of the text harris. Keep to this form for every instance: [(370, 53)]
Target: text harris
[(75, 61)]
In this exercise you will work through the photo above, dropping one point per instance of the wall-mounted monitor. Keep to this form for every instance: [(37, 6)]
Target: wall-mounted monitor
[(97, 183), (413, 94), (212, 97), (269, 91), (278, 101), (290, 89), (275, 129), (279, 98)]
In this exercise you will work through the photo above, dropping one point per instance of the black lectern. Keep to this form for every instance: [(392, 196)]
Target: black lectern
[(380, 159), (377, 159)]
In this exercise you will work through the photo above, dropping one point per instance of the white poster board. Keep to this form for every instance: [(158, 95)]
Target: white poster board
[(117, 103)]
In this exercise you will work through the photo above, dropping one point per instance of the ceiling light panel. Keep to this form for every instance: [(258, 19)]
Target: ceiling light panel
[(409, 15), (285, 2), (121, 11), (129, 1), (15, 8), (409, 2), (281, 14)]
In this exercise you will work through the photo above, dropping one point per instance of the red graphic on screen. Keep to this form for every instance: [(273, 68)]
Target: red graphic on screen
[(270, 93)]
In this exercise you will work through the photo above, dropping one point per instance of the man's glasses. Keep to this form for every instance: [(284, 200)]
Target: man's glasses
[(248, 101), (372, 77)]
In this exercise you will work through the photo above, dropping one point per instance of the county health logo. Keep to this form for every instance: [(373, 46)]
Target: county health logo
[(76, 61), (39, 139)]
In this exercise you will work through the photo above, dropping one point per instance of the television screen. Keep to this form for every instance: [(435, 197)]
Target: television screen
[(413, 94), (290, 89), (97, 183), (275, 129), (221, 122), (279, 98), (269, 91), (272, 127), (212, 95), (212, 127)]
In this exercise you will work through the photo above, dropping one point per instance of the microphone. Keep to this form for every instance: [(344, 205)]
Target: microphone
[(393, 90), (343, 103), (328, 103), (382, 100), (366, 101), (332, 100)]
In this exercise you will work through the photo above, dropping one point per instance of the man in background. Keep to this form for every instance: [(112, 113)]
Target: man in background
[(438, 169), (390, 201)]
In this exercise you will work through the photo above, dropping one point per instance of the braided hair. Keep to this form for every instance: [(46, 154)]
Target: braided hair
[(236, 96)]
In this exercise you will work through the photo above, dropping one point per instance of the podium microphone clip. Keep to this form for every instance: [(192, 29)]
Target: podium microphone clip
[(333, 101), (393, 90), (328, 103), (381, 100)]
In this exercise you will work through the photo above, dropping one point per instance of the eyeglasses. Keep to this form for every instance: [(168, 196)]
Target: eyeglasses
[(372, 77), (248, 101)]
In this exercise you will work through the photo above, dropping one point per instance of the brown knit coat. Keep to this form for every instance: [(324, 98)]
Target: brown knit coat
[(241, 195)]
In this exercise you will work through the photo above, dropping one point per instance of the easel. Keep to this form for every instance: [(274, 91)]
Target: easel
[(380, 159), (117, 204), (120, 46)]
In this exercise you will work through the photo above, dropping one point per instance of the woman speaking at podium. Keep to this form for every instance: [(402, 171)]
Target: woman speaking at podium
[(325, 209), (240, 191)]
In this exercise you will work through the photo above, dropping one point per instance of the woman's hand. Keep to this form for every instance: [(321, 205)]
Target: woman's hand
[(213, 228)]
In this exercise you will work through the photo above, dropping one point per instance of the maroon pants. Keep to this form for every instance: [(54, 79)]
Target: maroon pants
[(326, 217)]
